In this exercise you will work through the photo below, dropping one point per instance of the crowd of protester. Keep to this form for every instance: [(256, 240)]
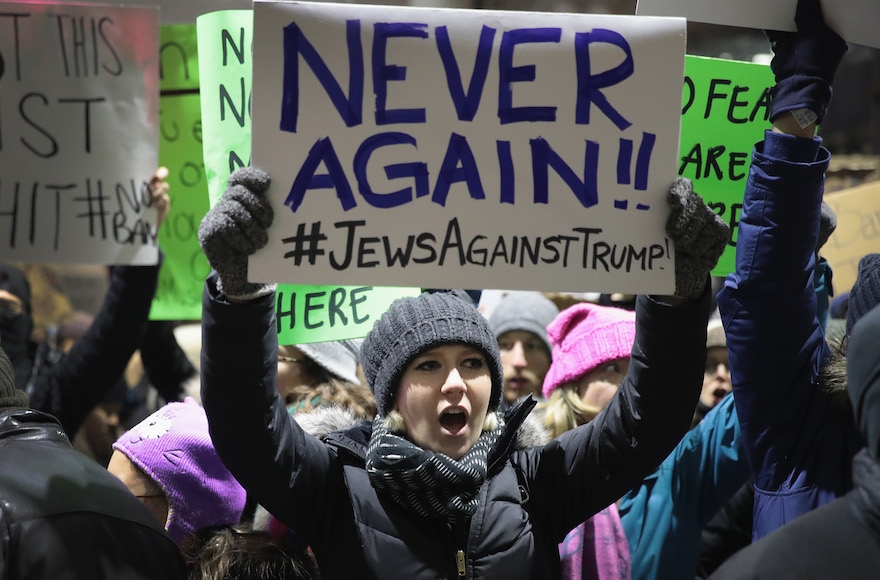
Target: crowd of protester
[(723, 431)]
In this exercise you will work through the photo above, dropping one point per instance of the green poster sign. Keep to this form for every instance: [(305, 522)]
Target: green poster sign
[(224, 39), (183, 273), (305, 314), (725, 105)]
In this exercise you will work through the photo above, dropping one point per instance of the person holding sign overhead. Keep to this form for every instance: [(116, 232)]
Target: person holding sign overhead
[(71, 388), (789, 384), (437, 485)]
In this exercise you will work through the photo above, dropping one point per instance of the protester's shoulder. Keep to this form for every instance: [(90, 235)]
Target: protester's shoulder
[(338, 427), (531, 440), (532, 434), (827, 542), (18, 427), (63, 482)]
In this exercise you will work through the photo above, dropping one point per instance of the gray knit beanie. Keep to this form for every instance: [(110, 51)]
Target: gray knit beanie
[(715, 336), (9, 395), (338, 357), (414, 324), (528, 311)]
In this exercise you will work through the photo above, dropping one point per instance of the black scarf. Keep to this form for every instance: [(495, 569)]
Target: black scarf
[(430, 484)]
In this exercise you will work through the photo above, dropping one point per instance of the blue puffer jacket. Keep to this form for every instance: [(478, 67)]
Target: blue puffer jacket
[(532, 497), (799, 449)]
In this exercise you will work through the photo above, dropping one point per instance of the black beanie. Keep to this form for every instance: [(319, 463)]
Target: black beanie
[(16, 283), (9, 395), (415, 324), (865, 293), (863, 378)]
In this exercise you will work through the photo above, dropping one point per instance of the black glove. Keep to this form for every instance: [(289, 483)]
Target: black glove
[(235, 228), (699, 235), (805, 63)]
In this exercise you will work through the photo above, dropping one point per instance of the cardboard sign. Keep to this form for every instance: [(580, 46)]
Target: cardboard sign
[(854, 20), (459, 148), (857, 232), (182, 11), (78, 133), (725, 108)]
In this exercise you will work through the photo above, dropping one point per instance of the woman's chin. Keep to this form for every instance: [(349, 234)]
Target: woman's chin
[(455, 445)]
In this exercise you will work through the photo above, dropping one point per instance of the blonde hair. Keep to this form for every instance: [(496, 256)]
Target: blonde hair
[(564, 410), (394, 421)]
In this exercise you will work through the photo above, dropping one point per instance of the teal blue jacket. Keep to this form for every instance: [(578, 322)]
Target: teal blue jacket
[(664, 515)]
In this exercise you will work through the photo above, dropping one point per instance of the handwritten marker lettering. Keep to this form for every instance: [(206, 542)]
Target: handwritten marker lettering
[(305, 245), (459, 165)]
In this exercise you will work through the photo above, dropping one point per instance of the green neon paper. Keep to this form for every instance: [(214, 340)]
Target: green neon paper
[(320, 313), (725, 108), (183, 272)]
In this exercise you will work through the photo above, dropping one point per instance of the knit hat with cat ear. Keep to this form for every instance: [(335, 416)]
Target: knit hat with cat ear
[(173, 447)]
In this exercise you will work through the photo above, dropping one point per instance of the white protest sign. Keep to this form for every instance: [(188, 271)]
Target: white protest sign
[(854, 20), (466, 148), (78, 133), (181, 11)]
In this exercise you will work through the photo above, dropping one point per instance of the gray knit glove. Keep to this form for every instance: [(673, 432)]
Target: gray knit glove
[(235, 228), (699, 235)]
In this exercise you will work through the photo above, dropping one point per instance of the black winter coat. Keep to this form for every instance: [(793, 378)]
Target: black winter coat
[(838, 540), (530, 500), (64, 517), (70, 389)]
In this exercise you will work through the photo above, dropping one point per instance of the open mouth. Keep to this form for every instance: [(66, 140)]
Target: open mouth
[(720, 394), (453, 420), (519, 385)]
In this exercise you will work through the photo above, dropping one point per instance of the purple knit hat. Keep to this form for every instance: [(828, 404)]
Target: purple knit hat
[(585, 336), (173, 447)]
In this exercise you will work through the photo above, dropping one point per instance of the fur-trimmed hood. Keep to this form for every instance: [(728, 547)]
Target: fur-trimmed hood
[(832, 378)]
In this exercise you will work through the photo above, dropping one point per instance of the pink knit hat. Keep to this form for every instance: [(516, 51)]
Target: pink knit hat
[(585, 336), (174, 449)]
